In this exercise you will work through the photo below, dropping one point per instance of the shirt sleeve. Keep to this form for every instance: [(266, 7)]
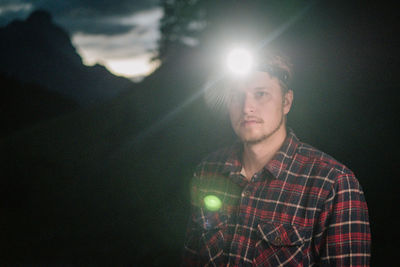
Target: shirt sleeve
[(344, 238)]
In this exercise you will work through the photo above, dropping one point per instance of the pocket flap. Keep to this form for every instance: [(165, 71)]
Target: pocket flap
[(281, 234)]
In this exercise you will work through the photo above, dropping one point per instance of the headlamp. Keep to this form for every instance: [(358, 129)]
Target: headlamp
[(275, 71), (240, 62)]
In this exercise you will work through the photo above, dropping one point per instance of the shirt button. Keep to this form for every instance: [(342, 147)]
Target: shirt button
[(277, 241), (246, 193)]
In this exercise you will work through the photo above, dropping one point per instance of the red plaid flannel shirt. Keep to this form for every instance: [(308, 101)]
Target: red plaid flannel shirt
[(303, 208)]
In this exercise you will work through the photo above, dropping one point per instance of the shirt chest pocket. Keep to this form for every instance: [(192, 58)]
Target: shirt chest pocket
[(280, 244)]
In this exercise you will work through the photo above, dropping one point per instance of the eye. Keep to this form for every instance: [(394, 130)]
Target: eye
[(260, 94)]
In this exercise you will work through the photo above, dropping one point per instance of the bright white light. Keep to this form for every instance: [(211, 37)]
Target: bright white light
[(240, 61)]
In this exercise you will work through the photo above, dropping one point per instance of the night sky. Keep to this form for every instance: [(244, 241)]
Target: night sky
[(109, 183)]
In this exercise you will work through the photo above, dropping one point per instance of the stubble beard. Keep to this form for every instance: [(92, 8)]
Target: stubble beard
[(264, 137)]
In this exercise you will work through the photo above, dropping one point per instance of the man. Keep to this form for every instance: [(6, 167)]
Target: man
[(275, 200)]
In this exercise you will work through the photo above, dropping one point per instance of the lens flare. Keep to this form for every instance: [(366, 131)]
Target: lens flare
[(212, 203), (240, 61)]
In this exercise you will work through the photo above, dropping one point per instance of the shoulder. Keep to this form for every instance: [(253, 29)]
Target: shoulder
[(212, 175), (217, 161), (323, 166), (309, 153)]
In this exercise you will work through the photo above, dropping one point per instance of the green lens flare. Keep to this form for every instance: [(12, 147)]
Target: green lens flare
[(212, 203)]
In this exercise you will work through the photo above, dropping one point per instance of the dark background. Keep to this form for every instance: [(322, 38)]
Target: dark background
[(95, 169)]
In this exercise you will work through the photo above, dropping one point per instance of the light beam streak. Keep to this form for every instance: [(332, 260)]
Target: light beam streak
[(159, 124)]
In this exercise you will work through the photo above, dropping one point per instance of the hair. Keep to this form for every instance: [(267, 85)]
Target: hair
[(278, 65)]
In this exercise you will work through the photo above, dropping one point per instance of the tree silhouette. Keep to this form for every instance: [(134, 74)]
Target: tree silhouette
[(216, 23)]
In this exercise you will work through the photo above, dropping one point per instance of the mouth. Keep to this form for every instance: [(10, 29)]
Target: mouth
[(250, 122)]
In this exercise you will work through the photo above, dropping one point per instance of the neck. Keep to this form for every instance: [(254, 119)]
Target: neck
[(256, 156)]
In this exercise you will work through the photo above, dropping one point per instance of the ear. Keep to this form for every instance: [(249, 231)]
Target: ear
[(287, 101)]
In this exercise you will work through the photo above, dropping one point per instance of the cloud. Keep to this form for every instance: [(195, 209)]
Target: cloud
[(140, 39), (135, 47), (8, 7), (85, 16), (94, 8), (101, 26), (13, 9)]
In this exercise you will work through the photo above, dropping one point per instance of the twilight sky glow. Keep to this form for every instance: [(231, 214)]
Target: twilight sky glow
[(120, 34)]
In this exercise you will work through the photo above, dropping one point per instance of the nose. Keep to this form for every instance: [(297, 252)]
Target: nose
[(247, 104)]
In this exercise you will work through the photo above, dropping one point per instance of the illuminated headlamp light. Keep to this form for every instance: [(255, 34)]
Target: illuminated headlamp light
[(240, 62)]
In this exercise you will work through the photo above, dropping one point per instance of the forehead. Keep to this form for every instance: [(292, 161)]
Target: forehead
[(257, 80)]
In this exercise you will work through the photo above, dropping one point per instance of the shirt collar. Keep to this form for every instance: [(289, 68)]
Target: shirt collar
[(275, 166), (284, 156)]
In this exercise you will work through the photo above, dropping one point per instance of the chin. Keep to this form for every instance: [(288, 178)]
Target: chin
[(253, 139)]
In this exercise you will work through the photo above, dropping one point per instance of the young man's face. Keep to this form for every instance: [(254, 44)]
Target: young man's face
[(258, 107)]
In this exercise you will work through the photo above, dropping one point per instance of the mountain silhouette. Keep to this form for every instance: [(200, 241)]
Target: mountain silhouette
[(37, 50), (110, 172), (26, 104)]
